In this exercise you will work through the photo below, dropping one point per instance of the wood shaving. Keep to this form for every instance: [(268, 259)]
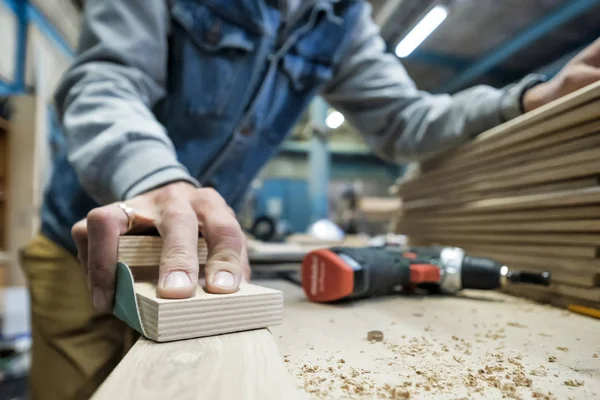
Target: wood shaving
[(595, 355), (565, 349), (417, 315), (516, 325), (552, 359), (539, 371), (573, 383)]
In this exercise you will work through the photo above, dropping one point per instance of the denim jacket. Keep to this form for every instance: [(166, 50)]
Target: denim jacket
[(206, 90)]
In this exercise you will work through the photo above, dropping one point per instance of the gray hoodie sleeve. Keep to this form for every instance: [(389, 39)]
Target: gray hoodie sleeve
[(104, 100), (400, 123)]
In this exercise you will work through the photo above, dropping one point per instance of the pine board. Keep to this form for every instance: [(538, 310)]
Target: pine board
[(251, 307), (537, 201), (566, 111), (586, 225), (513, 238), (514, 169), (558, 143), (245, 365), (145, 251), (564, 213), (577, 252)]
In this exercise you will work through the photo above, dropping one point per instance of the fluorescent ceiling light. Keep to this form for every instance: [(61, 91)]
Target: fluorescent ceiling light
[(334, 120), (421, 31)]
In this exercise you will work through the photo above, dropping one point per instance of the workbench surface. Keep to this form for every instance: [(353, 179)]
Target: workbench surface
[(477, 345)]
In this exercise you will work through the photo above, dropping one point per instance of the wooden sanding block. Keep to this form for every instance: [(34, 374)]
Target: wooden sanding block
[(205, 314)]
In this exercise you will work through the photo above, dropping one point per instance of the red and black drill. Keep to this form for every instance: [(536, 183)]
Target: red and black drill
[(341, 273)]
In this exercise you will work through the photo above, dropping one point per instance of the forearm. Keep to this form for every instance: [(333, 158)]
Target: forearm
[(115, 144), (401, 123)]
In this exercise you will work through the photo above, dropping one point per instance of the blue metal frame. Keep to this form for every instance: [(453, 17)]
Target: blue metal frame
[(24, 13), (319, 162), (19, 8), (542, 27)]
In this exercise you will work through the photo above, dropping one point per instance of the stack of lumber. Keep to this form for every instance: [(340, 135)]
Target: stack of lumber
[(526, 193), (3, 174)]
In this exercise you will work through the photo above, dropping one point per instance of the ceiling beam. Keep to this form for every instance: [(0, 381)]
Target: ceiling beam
[(539, 29)]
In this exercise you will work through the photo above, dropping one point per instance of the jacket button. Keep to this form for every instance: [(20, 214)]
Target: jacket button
[(213, 35)]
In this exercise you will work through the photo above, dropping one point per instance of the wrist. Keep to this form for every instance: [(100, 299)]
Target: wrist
[(535, 94)]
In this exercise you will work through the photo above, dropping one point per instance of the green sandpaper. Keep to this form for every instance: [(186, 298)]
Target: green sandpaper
[(126, 305)]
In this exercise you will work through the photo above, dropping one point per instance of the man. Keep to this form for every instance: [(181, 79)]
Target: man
[(172, 106)]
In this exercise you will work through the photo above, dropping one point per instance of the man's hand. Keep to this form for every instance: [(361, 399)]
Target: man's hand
[(179, 211), (582, 70)]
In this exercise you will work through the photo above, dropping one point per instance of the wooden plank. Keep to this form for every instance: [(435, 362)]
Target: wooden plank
[(583, 252), (547, 296), (432, 344), (448, 198), (591, 225), (575, 108), (245, 365), (144, 251), (574, 165), (207, 314), (512, 238), (428, 182), (564, 213), (556, 199), (545, 146)]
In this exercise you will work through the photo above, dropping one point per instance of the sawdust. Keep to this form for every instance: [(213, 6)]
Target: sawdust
[(495, 335), (539, 371), (565, 349), (352, 382), (573, 383), (595, 355), (540, 395), (552, 359), (516, 325)]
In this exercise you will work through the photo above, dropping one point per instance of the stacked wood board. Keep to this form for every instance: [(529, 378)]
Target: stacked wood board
[(526, 193), (3, 175)]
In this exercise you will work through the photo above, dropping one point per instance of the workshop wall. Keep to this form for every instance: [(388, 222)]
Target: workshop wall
[(285, 180)]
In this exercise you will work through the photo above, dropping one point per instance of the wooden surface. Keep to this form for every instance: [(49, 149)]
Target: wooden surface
[(205, 314), (436, 347), (145, 251), (479, 345), (245, 365)]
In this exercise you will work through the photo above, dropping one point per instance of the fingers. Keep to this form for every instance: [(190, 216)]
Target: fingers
[(178, 271), (224, 239), (104, 226), (79, 234)]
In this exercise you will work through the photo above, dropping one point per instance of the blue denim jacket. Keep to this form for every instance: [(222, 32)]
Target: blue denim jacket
[(206, 90)]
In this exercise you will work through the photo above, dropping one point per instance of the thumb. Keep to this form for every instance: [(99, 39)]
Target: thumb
[(178, 270)]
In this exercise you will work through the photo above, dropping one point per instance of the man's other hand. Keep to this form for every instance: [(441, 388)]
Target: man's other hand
[(582, 70), (180, 212)]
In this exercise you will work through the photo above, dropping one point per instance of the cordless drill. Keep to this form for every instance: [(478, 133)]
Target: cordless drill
[(341, 273)]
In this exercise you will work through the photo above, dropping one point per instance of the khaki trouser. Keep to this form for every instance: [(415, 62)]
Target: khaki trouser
[(74, 346)]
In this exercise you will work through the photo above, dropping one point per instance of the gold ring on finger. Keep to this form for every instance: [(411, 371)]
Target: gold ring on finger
[(130, 212)]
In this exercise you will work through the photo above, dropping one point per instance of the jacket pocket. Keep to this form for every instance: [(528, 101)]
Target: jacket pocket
[(213, 57)]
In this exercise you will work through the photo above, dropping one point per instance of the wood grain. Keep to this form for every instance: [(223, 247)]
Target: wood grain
[(144, 251), (245, 365), (562, 142), (564, 213), (568, 110), (206, 314)]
